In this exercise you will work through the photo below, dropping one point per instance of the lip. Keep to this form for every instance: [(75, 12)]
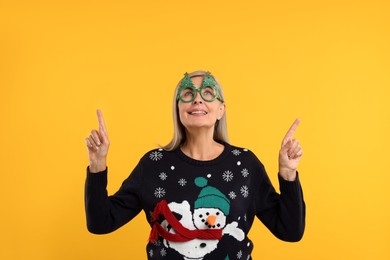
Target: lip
[(197, 112)]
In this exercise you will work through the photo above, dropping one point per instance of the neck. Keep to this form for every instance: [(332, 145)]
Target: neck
[(201, 146)]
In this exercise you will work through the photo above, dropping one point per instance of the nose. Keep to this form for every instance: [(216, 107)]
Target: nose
[(198, 98), (211, 220)]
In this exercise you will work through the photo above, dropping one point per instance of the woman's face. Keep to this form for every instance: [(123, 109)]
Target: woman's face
[(199, 113)]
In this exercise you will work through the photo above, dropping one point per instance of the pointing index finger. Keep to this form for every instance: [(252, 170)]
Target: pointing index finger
[(291, 131), (102, 125)]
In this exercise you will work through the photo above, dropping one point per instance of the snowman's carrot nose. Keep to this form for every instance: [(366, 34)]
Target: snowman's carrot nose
[(211, 220)]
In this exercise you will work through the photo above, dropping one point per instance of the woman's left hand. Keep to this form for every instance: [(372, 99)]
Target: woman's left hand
[(290, 154)]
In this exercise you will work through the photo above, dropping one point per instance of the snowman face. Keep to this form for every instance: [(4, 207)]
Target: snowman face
[(206, 218)]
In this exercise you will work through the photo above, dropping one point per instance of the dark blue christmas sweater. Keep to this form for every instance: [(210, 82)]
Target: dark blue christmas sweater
[(225, 194)]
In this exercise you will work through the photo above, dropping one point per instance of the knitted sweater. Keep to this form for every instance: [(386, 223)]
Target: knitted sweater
[(224, 195)]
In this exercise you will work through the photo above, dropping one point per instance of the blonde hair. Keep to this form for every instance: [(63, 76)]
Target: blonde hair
[(179, 134)]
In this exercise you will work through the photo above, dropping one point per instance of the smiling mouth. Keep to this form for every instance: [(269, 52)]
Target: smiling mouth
[(198, 113)]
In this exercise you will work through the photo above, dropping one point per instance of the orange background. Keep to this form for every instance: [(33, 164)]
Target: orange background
[(325, 61)]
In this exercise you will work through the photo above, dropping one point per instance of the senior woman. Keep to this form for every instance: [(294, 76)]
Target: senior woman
[(199, 193)]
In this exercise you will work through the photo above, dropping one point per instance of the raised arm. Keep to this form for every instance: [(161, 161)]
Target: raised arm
[(107, 213)]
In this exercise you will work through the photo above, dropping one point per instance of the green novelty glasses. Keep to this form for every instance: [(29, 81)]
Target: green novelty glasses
[(208, 90)]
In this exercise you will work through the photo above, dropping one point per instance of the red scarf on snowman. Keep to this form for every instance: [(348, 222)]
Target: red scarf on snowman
[(183, 234)]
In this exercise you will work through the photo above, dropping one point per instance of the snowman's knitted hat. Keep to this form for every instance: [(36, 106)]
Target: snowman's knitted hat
[(211, 197)]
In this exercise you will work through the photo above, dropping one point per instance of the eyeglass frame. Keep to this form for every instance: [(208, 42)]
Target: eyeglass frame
[(208, 81), (217, 96)]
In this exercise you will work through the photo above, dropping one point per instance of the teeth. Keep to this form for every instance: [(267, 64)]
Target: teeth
[(199, 112)]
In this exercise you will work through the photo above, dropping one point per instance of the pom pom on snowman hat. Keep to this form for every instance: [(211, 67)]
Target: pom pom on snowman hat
[(211, 197)]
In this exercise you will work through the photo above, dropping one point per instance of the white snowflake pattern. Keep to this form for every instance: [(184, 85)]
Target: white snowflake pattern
[(155, 156), (163, 176), (157, 243), (244, 191), (232, 195), (163, 252), (245, 172), (239, 254), (151, 253), (227, 176), (182, 182), (159, 192), (249, 257), (245, 217), (236, 152)]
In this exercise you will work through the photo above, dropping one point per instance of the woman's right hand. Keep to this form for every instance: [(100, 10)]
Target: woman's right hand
[(97, 145)]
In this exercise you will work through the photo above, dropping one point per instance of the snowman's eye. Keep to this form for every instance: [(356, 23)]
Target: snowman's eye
[(217, 213)]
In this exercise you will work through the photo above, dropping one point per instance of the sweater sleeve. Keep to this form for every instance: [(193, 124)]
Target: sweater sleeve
[(107, 213), (283, 214)]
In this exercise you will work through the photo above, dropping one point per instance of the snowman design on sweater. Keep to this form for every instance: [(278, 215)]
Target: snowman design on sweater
[(210, 211)]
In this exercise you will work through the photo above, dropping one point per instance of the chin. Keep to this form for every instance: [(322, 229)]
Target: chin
[(199, 126)]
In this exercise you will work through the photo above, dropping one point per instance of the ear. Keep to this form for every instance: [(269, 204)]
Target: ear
[(221, 111)]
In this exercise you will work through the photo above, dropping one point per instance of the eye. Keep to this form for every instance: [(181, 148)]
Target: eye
[(217, 213), (188, 94), (208, 92)]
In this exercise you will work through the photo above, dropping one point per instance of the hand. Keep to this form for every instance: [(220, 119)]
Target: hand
[(290, 154), (97, 145)]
